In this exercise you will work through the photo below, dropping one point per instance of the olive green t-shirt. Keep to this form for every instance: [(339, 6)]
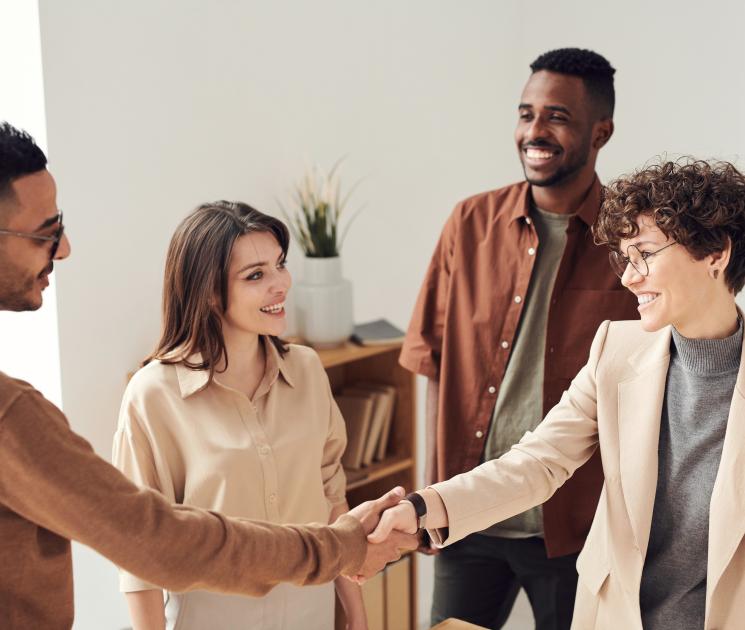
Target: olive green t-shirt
[(519, 405)]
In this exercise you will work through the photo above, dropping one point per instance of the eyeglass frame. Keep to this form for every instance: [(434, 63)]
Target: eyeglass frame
[(55, 239), (627, 260)]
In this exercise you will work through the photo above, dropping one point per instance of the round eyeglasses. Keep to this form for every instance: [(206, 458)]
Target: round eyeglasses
[(635, 257), (54, 238)]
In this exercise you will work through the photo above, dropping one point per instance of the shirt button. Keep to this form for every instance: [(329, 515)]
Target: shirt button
[(264, 450), (272, 498), (531, 250), (479, 434), (518, 299), (551, 349), (492, 389), (505, 344)]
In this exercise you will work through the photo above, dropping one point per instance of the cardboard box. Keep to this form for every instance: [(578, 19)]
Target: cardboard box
[(387, 599), (373, 594), (398, 603)]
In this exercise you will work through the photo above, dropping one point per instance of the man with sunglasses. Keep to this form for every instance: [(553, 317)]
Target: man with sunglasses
[(54, 488), (32, 237)]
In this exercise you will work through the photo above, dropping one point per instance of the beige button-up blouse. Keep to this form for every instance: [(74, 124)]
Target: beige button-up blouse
[(276, 457)]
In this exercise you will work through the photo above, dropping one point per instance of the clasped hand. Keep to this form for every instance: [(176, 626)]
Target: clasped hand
[(402, 517), (387, 537)]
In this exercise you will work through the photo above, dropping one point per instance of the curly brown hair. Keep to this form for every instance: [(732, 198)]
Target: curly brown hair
[(699, 204)]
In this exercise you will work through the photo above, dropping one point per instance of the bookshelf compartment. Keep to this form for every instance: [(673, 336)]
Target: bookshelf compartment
[(352, 364), (379, 470)]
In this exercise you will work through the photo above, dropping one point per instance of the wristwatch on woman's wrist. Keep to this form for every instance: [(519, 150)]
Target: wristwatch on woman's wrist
[(420, 507)]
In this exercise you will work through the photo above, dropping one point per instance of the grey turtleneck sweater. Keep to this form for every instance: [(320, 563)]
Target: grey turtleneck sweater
[(698, 394)]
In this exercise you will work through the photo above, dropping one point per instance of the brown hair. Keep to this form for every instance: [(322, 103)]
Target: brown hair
[(699, 204), (197, 272)]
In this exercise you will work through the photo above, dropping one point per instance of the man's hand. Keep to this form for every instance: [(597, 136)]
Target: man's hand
[(368, 513), (380, 554), (402, 517), (385, 549), (426, 546)]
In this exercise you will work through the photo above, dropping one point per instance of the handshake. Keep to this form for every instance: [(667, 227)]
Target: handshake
[(390, 529)]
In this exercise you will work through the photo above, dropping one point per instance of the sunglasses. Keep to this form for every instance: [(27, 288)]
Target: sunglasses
[(53, 239)]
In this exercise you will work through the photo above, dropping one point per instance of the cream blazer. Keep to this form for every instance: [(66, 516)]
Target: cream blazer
[(615, 402)]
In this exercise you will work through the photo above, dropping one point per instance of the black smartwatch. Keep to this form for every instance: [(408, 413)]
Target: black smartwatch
[(420, 507)]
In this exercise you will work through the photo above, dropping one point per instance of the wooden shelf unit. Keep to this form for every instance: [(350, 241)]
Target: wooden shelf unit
[(349, 364), (378, 470)]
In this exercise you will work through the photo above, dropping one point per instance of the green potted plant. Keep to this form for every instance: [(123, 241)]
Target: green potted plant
[(323, 296)]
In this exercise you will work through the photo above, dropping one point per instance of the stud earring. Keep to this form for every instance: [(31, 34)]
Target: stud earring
[(715, 274)]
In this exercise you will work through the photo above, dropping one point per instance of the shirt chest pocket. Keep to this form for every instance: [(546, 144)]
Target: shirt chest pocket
[(298, 435), (576, 319)]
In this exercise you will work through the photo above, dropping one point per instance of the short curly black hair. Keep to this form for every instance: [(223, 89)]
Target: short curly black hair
[(696, 203), (19, 155), (594, 70)]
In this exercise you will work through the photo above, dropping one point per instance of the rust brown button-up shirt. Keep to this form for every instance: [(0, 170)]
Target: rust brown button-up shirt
[(466, 318)]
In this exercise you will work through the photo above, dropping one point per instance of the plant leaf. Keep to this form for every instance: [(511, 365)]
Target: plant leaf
[(316, 221)]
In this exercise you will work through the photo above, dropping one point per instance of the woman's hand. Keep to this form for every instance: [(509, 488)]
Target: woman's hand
[(147, 610), (349, 593), (357, 621), (402, 517), (426, 546)]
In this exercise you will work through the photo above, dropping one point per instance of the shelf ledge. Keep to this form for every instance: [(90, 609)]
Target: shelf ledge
[(362, 476)]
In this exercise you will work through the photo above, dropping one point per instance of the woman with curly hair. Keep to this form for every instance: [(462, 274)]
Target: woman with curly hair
[(663, 398)]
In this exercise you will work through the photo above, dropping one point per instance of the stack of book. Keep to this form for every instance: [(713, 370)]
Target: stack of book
[(377, 333), (368, 411)]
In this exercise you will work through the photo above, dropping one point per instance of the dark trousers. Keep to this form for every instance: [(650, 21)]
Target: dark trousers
[(477, 579)]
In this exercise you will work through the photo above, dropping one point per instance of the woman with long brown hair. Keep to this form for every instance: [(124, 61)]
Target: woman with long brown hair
[(226, 416)]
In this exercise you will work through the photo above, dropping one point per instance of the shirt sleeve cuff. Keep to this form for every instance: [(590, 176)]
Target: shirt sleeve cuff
[(441, 536), (129, 583), (418, 363), (354, 543), (335, 489)]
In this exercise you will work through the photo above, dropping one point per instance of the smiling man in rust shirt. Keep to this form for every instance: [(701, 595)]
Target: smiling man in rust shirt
[(54, 488), (512, 298)]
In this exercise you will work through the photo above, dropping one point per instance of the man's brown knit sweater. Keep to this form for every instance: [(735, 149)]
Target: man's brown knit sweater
[(54, 488)]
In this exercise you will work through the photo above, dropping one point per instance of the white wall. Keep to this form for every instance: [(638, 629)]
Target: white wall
[(153, 109), (29, 341), (679, 83), (154, 106)]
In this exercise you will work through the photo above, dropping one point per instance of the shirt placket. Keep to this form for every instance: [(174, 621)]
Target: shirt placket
[(252, 420), (528, 239), (555, 326)]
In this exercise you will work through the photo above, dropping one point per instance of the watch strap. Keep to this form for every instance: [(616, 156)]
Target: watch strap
[(420, 507)]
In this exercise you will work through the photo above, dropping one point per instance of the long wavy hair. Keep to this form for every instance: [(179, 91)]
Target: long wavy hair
[(195, 283)]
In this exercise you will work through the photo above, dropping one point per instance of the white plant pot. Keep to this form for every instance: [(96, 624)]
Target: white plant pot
[(324, 303)]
